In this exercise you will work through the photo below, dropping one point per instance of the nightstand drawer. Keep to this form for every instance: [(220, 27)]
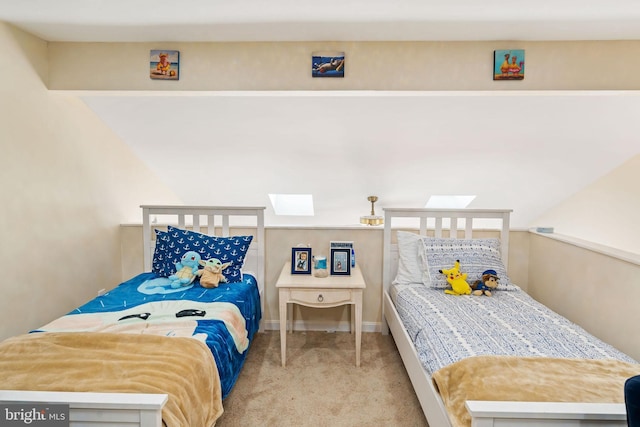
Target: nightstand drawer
[(320, 296)]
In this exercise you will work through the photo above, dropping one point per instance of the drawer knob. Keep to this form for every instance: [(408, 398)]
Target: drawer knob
[(320, 298)]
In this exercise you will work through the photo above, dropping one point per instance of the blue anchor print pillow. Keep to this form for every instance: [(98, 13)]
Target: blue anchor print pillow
[(173, 243)]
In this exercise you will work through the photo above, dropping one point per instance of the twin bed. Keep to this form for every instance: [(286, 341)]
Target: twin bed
[(499, 360), (129, 357)]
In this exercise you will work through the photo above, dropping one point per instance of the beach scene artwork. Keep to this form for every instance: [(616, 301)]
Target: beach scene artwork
[(508, 64), (164, 64), (327, 64)]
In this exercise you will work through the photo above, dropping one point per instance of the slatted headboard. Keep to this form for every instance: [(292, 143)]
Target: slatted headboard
[(460, 223), (218, 221)]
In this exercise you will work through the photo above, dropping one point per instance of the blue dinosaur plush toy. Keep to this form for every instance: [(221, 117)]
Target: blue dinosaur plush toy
[(186, 270)]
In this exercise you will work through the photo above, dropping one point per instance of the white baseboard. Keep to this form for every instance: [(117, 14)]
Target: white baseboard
[(301, 325)]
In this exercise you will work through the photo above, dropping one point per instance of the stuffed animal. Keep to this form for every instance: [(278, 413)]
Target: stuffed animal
[(457, 280), (186, 270), (212, 275), (488, 283)]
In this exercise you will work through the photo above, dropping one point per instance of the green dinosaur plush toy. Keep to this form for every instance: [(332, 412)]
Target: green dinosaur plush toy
[(211, 276)]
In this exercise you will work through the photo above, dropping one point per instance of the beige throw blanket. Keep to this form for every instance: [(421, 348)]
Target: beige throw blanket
[(533, 379), (183, 368)]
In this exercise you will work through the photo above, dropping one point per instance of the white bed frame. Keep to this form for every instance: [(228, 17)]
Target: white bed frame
[(460, 224), (219, 220), (145, 410)]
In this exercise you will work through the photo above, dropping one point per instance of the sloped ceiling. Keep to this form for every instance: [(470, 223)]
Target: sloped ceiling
[(525, 151), (341, 147)]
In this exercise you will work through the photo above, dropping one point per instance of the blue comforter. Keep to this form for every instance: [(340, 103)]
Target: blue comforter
[(225, 318)]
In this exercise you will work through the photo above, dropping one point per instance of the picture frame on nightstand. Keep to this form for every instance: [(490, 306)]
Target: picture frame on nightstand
[(340, 261), (300, 260)]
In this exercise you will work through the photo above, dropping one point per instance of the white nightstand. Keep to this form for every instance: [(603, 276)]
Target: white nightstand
[(325, 292)]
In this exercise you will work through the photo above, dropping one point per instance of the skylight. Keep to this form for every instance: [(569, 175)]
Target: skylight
[(449, 202), (292, 204)]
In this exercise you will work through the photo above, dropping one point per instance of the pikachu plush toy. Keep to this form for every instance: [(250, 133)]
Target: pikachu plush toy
[(457, 280)]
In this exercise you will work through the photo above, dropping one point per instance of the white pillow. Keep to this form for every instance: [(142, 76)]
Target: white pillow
[(409, 263)]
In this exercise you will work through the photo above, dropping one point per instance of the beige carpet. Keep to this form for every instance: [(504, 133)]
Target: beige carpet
[(321, 386)]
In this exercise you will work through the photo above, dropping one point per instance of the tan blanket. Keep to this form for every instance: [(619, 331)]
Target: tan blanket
[(183, 368), (533, 379)]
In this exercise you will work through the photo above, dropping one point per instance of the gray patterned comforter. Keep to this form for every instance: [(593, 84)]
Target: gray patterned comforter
[(447, 328)]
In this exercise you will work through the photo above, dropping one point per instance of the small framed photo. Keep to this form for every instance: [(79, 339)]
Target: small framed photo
[(164, 64), (327, 64), (508, 64), (341, 261), (300, 260)]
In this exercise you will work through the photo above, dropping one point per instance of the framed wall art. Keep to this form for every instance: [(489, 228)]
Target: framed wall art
[(341, 261), (327, 64), (300, 260), (164, 64), (508, 64)]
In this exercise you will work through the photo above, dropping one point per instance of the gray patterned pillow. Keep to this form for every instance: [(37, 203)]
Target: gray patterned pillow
[(475, 255)]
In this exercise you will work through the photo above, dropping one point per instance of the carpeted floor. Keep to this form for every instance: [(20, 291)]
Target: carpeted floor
[(321, 386)]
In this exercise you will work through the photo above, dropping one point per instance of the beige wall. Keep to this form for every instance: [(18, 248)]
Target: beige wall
[(603, 211), (597, 291), (369, 66), (67, 184)]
